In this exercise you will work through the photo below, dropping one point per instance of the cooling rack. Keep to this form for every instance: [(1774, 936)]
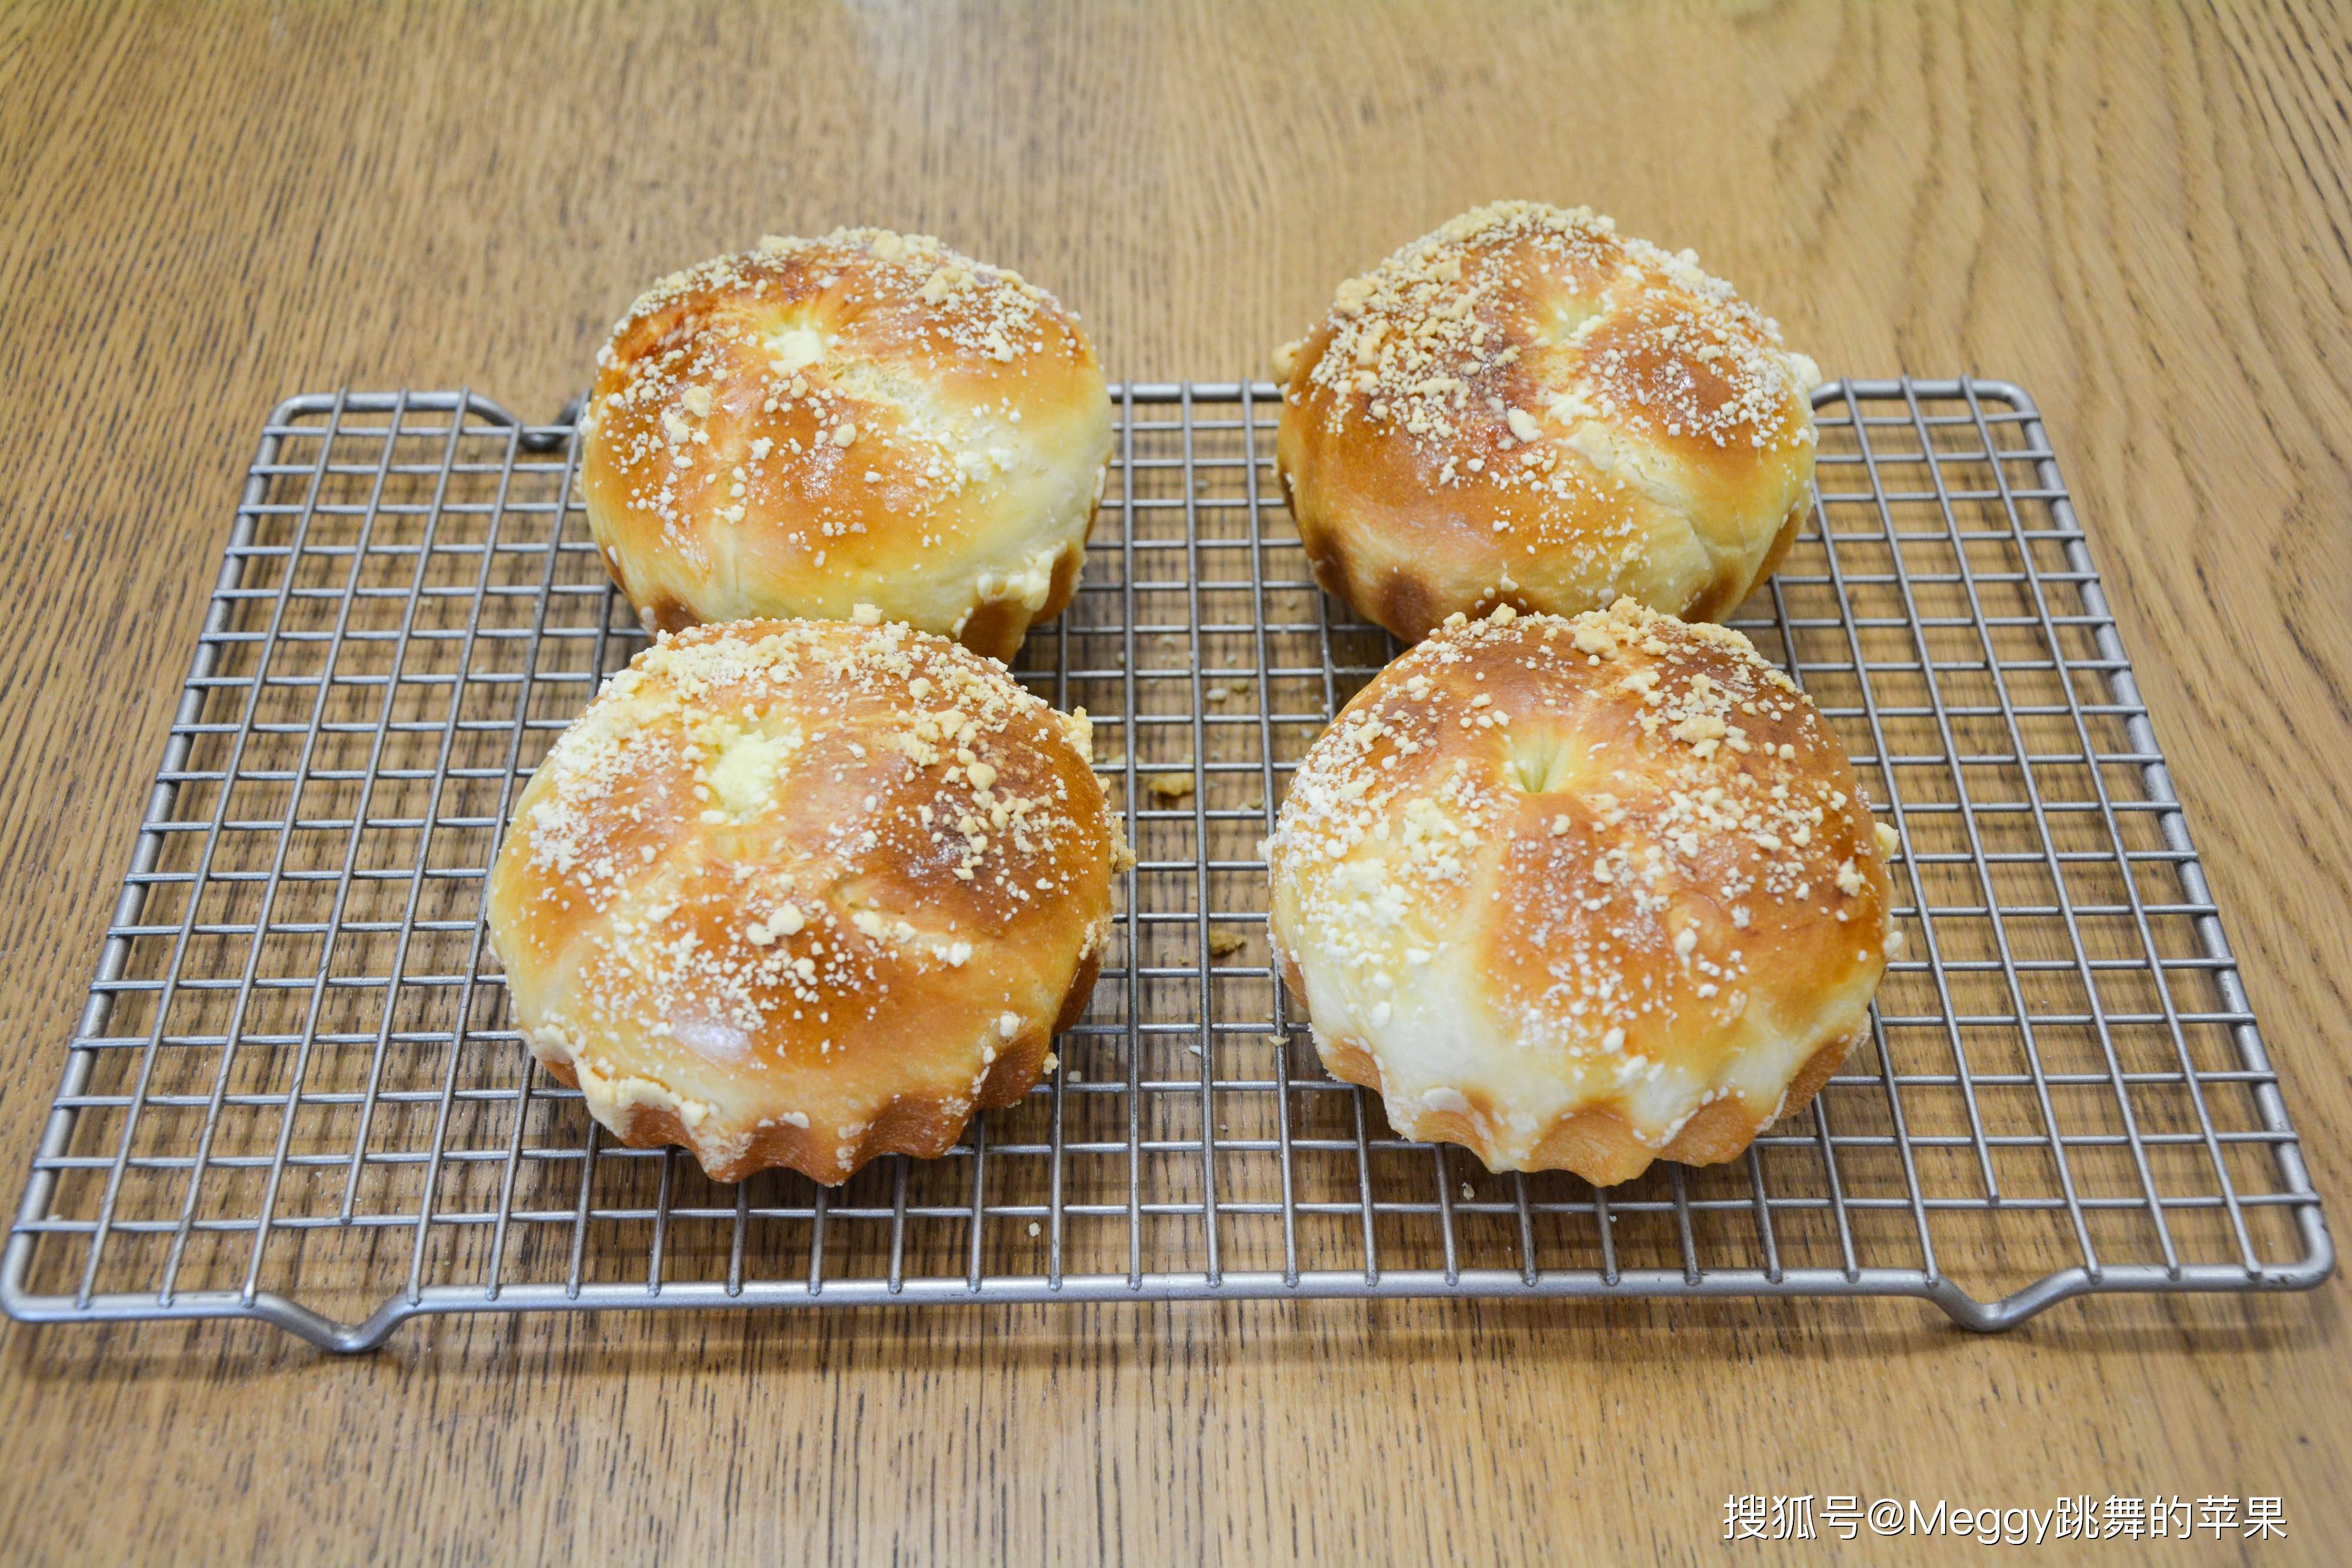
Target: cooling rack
[(296, 1094)]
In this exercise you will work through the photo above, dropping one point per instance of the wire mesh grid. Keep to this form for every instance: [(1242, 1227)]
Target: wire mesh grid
[(296, 1093)]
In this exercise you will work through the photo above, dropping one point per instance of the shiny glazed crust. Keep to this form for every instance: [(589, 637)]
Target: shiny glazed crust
[(865, 418), (1581, 894), (800, 893), (1526, 408)]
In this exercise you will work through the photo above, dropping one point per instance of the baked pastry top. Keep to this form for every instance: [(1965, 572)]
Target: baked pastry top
[(1528, 408), (801, 893), (1581, 893), (867, 418)]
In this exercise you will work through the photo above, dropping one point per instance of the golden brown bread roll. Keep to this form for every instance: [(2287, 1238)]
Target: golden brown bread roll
[(1581, 893), (801, 894), (1527, 408), (868, 418)]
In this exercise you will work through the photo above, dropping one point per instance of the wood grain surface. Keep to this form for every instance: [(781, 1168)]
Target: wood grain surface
[(2140, 213)]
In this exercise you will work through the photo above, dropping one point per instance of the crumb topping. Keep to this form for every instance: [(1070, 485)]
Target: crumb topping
[(1541, 330), (1625, 828), (796, 386), (784, 820)]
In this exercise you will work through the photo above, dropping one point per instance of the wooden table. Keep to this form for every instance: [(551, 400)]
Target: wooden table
[(2140, 216)]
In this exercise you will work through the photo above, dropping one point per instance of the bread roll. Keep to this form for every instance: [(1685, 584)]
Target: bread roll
[(1527, 408), (801, 894), (1581, 894), (868, 418)]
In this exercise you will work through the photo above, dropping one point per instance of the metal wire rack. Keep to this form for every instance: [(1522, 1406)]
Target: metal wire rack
[(295, 1093)]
